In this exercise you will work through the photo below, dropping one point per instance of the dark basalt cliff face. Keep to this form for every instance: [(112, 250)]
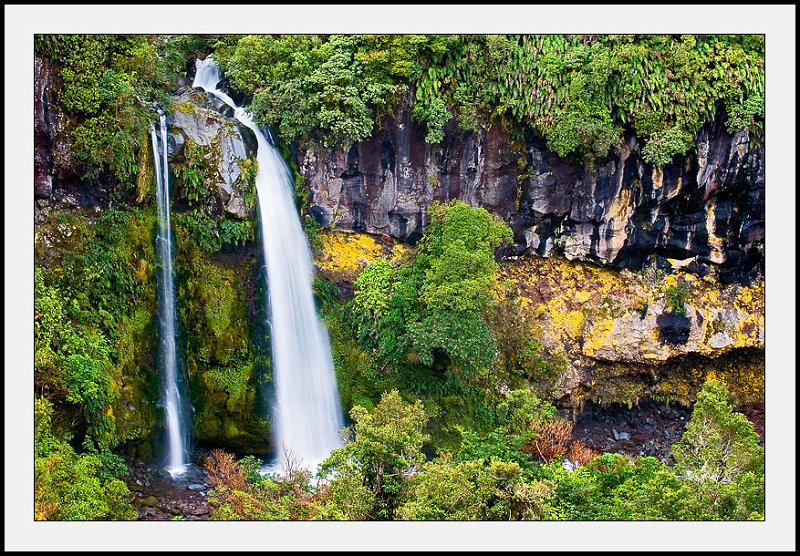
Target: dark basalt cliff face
[(703, 211), (54, 166)]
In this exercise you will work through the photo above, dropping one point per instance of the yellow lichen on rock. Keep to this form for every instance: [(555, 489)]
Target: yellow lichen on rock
[(344, 255), (612, 318), (599, 336)]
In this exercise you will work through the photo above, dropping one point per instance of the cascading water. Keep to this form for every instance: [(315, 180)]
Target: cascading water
[(306, 414), (177, 439)]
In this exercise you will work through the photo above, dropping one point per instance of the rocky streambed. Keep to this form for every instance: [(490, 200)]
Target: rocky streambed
[(648, 429), (159, 497)]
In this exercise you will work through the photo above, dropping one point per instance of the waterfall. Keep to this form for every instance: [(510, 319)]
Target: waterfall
[(176, 438), (306, 414)]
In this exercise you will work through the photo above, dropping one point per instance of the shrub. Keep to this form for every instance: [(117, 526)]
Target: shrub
[(68, 486), (550, 440), (718, 444), (223, 471), (384, 449), (676, 297), (580, 454)]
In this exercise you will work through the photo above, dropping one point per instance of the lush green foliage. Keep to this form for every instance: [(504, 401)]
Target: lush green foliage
[(198, 177), (718, 445), (472, 490), (676, 297), (93, 330), (105, 81), (425, 322), (196, 173), (223, 361), (385, 446), (330, 88), (68, 486), (379, 474), (210, 234), (581, 91)]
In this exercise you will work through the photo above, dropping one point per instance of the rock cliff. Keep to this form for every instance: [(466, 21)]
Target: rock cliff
[(704, 212)]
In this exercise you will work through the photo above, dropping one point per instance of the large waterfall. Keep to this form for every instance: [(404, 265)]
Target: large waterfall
[(306, 414), (177, 439)]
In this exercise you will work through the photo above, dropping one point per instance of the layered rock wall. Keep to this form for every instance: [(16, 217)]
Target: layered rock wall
[(703, 212)]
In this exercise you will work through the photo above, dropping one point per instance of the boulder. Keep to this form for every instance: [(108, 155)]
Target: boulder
[(206, 121)]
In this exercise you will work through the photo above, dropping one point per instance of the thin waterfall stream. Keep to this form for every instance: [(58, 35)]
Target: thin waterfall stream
[(174, 406), (306, 415)]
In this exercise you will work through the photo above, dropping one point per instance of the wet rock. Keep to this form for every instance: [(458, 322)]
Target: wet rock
[(620, 436), (150, 501), (196, 486), (43, 129), (199, 117), (695, 214), (175, 143), (674, 328)]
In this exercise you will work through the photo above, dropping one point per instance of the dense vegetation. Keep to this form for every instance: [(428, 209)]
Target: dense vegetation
[(439, 327), (446, 381), (579, 92), (91, 354), (381, 473)]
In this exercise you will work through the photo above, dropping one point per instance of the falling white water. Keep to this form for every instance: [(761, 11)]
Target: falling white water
[(307, 414), (176, 432)]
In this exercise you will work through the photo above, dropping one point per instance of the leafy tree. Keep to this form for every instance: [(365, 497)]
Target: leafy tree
[(592, 491), (718, 444), (473, 490), (460, 243), (426, 320), (330, 89), (68, 486), (105, 81), (384, 450)]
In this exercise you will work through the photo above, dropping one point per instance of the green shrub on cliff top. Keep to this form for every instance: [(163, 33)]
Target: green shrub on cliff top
[(105, 78), (579, 92), (329, 88)]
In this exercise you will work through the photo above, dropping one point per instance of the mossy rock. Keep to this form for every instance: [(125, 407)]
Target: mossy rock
[(224, 363)]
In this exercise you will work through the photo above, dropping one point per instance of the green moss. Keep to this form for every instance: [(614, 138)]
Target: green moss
[(145, 179), (134, 381), (224, 365), (187, 107), (95, 301)]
